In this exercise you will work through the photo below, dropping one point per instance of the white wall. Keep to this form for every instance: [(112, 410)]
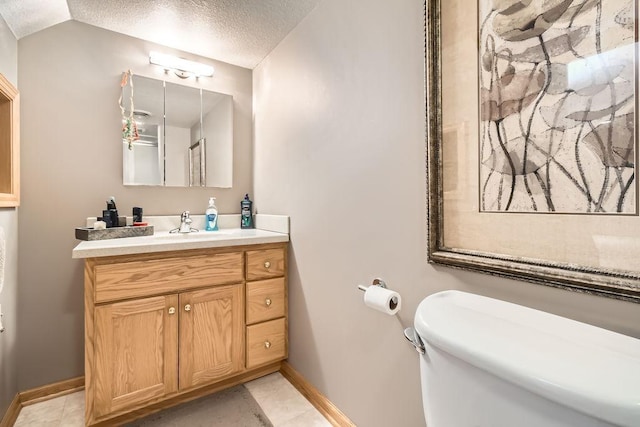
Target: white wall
[(72, 162), (177, 143), (219, 133), (217, 128), (339, 122), (9, 223)]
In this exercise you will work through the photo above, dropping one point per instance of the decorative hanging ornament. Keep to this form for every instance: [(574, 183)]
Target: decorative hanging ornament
[(129, 126)]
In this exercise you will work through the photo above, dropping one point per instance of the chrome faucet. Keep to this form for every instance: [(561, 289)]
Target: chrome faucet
[(185, 224)]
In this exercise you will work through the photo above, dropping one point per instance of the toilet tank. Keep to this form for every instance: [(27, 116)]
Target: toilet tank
[(489, 363)]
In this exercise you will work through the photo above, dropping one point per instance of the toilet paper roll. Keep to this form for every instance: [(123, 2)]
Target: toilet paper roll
[(382, 299)]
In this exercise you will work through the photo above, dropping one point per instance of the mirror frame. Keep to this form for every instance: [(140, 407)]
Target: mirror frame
[(197, 156), (593, 280), (9, 143)]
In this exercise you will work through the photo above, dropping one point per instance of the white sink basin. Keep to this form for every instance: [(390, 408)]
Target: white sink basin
[(202, 235), (165, 235)]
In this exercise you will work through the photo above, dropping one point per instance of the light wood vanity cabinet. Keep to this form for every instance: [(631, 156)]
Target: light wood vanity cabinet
[(163, 328)]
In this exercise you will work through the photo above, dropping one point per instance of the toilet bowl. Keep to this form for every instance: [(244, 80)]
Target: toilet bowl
[(489, 363)]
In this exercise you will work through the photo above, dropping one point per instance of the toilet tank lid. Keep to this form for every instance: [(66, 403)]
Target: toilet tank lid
[(589, 369)]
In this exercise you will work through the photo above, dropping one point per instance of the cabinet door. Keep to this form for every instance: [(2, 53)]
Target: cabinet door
[(136, 349), (211, 334)]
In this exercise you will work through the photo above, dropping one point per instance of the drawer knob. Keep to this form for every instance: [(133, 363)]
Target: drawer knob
[(267, 302), (187, 307), (267, 264), (267, 344), (172, 310)]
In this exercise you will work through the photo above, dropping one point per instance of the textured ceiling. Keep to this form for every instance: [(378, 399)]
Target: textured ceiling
[(240, 32), (25, 17)]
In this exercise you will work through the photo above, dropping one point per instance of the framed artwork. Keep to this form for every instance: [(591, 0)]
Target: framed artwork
[(532, 110)]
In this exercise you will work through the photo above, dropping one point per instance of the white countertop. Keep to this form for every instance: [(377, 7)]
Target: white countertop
[(276, 230)]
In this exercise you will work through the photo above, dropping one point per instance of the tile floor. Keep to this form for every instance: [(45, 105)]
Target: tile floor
[(280, 401)]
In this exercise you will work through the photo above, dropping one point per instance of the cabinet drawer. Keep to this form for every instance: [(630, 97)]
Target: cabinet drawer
[(265, 264), (265, 300), (158, 276), (266, 342)]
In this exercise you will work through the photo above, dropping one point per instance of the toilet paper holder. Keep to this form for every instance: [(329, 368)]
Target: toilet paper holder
[(376, 282), (381, 298)]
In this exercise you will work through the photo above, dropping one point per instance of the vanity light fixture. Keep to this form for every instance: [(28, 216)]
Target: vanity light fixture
[(182, 67)]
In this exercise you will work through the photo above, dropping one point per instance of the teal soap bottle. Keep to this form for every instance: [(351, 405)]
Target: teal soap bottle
[(211, 216), (246, 212)]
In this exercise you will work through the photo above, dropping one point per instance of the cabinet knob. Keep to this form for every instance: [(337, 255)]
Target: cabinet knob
[(267, 344), (187, 307), (172, 310), (267, 302), (267, 264)]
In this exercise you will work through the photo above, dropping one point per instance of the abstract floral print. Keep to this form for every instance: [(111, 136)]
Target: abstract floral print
[(557, 106)]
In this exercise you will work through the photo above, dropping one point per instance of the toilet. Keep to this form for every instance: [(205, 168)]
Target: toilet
[(490, 363)]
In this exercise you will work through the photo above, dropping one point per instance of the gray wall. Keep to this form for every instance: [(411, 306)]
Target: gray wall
[(9, 222), (340, 147), (72, 162)]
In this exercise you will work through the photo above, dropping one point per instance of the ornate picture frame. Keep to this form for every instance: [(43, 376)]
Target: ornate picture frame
[(585, 246)]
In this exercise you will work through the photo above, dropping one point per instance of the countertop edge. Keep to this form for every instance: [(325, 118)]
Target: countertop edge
[(150, 246)]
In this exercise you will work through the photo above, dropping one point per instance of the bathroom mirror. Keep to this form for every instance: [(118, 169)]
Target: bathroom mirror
[(185, 136), (9, 144), (532, 142)]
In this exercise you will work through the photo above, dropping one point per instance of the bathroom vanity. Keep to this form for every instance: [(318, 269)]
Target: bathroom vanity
[(170, 318)]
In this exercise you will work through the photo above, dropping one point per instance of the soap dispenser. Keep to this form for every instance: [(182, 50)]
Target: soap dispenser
[(246, 212), (211, 216)]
